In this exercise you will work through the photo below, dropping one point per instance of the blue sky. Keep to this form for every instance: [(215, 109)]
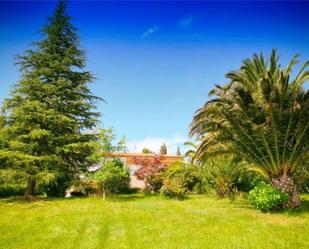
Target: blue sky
[(156, 61)]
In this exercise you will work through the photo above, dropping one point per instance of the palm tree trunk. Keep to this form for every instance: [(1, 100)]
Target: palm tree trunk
[(30, 187), (286, 184)]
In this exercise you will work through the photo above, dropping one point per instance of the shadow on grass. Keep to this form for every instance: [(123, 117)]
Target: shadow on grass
[(21, 199), (303, 209), (242, 203), (123, 198), (114, 198)]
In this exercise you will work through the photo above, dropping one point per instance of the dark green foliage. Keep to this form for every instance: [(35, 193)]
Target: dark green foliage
[(129, 190), (266, 198), (11, 190), (178, 153), (57, 186), (301, 177), (248, 180), (50, 111)]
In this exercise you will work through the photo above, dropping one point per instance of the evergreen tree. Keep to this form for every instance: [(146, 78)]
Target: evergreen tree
[(178, 153), (163, 149), (51, 108), (147, 151)]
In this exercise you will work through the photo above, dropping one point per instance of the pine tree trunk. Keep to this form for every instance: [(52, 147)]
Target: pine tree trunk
[(30, 188), (286, 184)]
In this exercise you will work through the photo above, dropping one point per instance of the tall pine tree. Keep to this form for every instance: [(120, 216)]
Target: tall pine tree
[(163, 149), (178, 153), (50, 112)]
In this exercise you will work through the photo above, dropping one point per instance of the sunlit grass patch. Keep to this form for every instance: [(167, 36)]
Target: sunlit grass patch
[(139, 221)]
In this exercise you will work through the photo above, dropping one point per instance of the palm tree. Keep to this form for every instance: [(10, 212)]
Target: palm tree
[(190, 153), (224, 172), (261, 115)]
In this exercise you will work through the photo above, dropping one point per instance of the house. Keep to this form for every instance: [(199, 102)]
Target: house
[(129, 161)]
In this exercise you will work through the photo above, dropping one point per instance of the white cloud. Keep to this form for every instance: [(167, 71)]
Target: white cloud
[(154, 144), (150, 31), (186, 22)]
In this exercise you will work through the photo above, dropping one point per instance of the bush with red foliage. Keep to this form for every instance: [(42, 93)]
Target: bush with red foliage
[(150, 169)]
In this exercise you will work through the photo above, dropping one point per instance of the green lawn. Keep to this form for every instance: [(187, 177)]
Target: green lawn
[(148, 222)]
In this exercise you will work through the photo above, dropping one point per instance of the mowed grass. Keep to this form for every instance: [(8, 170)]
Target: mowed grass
[(148, 222)]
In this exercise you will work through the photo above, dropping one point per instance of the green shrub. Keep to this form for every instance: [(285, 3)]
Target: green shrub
[(113, 177), (265, 197), (187, 174), (13, 177), (173, 188), (248, 180), (11, 190), (223, 173), (12, 182), (83, 187), (129, 190), (56, 186)]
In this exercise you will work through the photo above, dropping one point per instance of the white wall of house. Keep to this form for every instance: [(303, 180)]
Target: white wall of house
[(134, 182)]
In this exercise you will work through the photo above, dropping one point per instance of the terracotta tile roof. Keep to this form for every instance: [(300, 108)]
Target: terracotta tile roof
[(168, 159)]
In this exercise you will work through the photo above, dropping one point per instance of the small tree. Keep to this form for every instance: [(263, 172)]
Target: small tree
[(113, 177), (163, 149), (107, 143), (150, 171)]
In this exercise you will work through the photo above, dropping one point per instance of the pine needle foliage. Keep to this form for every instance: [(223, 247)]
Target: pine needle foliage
[(47, 118)]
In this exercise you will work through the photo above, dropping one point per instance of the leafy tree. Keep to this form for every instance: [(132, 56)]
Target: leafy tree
[(150, 169), (113, 176), (163, 149), (50, 110), (107, 143), (261, 115)]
